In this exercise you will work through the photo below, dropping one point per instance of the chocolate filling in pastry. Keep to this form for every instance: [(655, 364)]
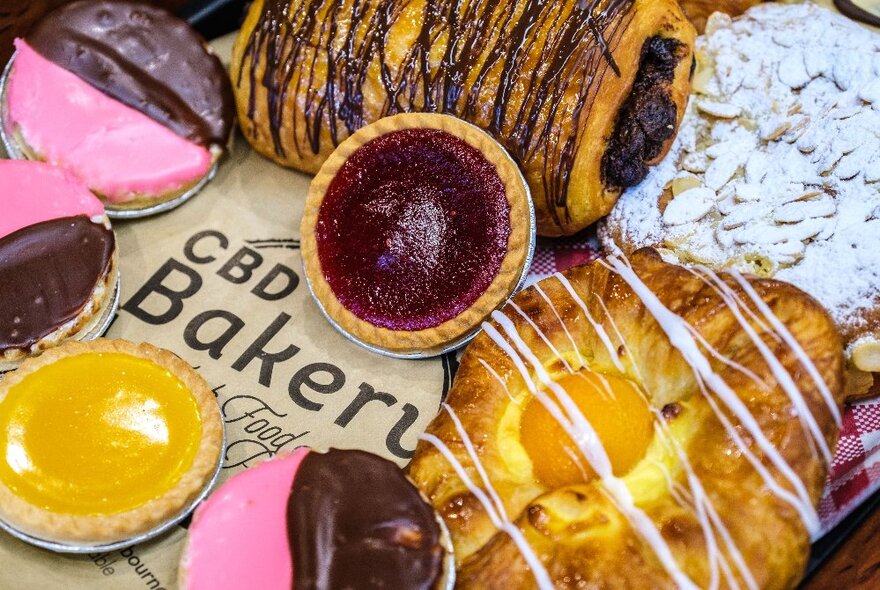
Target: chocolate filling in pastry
[(648, 116)]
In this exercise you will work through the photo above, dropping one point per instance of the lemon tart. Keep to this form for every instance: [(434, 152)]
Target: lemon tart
[(103, 442)]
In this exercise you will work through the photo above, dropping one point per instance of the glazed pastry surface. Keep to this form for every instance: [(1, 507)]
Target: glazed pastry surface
[(743, 382), (584, 95), (34, 192), (699, 11)]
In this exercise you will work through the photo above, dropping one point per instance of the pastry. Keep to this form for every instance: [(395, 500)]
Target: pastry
[(635, 424), (583, 94), (776, 167), (414, 230), (57, 260), (104, 441), (698, 11), (124, 95), (341, 519)]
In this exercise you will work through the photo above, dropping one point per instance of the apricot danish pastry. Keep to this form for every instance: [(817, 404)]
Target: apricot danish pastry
[(635, 424), (584, 94)]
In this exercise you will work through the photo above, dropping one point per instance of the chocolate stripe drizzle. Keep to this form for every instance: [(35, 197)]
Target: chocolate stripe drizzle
[(481, 60), (355, 521), (856, 12), (48, 272)]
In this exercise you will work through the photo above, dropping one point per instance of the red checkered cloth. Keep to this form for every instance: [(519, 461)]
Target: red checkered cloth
[(855, 473)]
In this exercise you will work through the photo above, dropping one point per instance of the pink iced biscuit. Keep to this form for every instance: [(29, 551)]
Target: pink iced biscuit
[(239, 535), (117, 151), (33, 192)]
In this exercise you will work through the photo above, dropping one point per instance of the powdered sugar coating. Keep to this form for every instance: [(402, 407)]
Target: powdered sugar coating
[(777, 161)]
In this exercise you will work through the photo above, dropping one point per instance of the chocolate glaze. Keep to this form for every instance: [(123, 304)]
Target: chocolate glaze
[(413, 229), (18, 16), (147, 59), (48, 272), (855, 12), (355, 521), (648, 117), (574, 58)]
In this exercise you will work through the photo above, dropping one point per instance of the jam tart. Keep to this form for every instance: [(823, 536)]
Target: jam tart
[(104, 443), (416, 229)]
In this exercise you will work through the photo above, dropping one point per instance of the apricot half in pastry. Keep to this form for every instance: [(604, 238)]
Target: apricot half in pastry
[(635, 424), (415, 229), (103, 443)]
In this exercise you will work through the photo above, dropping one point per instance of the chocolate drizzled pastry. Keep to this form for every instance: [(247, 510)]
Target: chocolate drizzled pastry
[(48, 272), (147, 59), (355, 521), (546, 79)]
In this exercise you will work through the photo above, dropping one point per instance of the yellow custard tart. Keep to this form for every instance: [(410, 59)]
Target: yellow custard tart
[(103, 442)]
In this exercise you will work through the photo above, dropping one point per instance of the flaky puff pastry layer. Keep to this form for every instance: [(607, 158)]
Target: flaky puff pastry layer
[(578, 532), (698, 11), (549, 80)]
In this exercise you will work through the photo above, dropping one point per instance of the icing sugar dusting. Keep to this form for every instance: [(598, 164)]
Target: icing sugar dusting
[(775, 170)]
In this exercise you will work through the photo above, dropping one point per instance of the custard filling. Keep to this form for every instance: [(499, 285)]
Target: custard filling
[(97, 434), (617, 412)]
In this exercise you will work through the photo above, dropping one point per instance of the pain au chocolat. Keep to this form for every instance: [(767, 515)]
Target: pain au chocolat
[(585, 95)]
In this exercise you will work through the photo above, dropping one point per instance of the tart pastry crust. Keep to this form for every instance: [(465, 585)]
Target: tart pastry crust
[(519, 247), (108, 528)]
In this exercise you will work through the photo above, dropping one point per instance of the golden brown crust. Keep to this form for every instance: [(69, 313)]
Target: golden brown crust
[(518, 247), (290, 114), (94, 529), (581, 537), (698, 11)]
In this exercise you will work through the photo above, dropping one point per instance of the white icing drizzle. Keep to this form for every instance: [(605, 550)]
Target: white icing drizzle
[(700, 502), (478, 465), (792, 343), (574, 346), (584, 436), (600, 330), (679, 336), (499, 517), (782, 376), (541, 335), (726, 361), (671, 442), (498, 378)]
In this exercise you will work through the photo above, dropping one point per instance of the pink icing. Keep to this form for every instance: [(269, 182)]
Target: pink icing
[(238, 537), (32, 192), (118, 151)]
